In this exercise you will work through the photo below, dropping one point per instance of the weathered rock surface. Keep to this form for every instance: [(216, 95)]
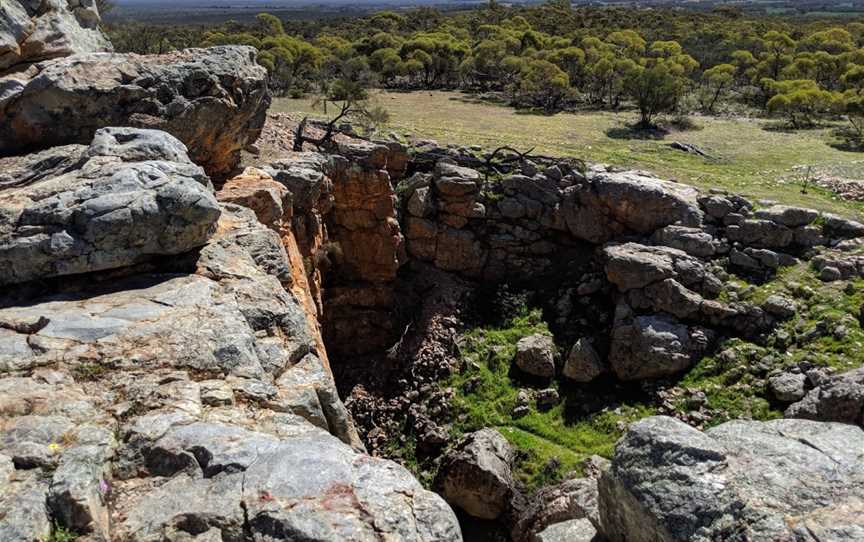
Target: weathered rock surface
[(187, 399), (36, 31), (535, 355), (133, 195), (631, 265), (573, 499), (256, 190), (213, 100), (583, 362), (743, 480), (476, 475), (574, 530), (839, 398), (615, 203), (652, 346), (262, 486)]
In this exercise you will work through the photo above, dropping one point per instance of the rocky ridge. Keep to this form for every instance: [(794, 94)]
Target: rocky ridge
[(166, 349)]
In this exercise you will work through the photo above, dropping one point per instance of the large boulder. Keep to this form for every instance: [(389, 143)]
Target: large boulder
[(632, 265), (35, 31), (535, 355), (614, 203), (132, 195), (583, 362), (573, 499), (476, 475), (654, 346), (213, 100), (743, 480)]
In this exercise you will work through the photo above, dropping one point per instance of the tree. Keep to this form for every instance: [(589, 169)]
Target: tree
[(655, 89), (657, 83), (852, 100), (777, 48), (572, 61), (801, 100), (716, 82), (386, 63), (350, 93), (543, 84)]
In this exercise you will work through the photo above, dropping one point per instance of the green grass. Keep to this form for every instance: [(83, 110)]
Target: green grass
[(749, 158), (61, 534), (552, 443), (734, 392)]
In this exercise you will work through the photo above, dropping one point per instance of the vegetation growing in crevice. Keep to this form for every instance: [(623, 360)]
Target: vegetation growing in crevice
[(551, 443), (824, 332)]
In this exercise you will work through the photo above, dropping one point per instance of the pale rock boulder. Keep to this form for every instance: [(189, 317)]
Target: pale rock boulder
[(535, 355), (132, 195), (583, 362), (213, 100), (574, 530), (36, 31), (476, 475), (614, 203), (654, 346)]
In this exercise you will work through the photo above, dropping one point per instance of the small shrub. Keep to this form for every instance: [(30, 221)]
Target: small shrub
[(60, 533)]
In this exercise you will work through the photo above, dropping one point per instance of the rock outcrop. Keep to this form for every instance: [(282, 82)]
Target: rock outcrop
[(743, 480), (132, 195), (189, 397), (213, 100), (36, 31)]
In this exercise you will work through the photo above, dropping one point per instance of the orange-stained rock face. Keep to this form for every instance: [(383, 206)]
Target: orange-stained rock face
[(272, 204), (257, 190), (365, 226)]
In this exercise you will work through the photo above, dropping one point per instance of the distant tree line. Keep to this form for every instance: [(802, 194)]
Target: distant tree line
[(552, 57)]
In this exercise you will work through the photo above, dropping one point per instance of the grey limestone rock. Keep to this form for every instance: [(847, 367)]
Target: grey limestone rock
[(136, 196), (743, 480), (213, 100)]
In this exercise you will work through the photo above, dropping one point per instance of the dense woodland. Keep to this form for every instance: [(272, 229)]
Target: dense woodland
[(553, 57)]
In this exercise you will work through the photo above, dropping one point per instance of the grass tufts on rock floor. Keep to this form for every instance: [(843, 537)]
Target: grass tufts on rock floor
[(551, 443)]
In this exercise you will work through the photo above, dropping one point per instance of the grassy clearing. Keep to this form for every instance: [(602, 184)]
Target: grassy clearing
[(750, 156), (551, 443)]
